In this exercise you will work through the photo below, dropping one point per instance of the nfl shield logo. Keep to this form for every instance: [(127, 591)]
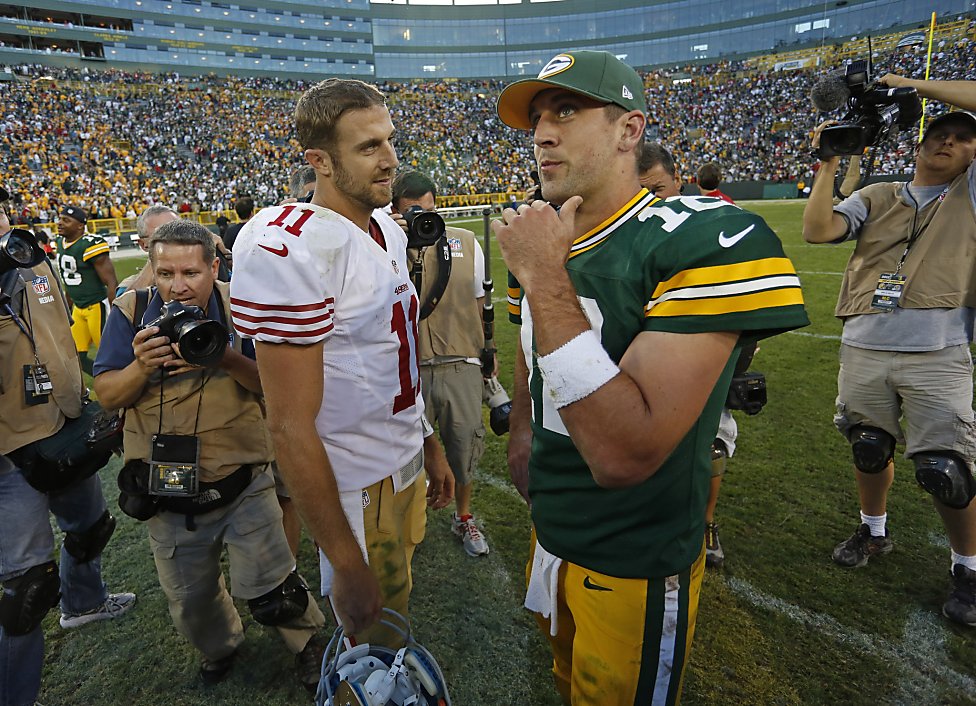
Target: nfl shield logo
[(41, 285)]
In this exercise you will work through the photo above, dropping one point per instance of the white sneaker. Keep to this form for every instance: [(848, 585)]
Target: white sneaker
[(115, 605), (474, 542)]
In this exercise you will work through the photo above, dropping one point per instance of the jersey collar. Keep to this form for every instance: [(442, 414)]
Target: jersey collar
[(600, 233)]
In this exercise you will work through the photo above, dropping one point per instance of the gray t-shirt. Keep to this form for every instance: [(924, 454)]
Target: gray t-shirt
[(906, 330)]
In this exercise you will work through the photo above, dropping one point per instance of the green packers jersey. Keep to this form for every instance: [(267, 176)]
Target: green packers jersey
[(76, 266), (684, 265)]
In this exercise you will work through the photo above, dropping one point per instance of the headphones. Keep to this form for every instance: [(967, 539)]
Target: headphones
[(367, 675)]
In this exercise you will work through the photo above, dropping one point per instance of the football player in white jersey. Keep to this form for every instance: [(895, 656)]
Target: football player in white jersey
[(324, 290)]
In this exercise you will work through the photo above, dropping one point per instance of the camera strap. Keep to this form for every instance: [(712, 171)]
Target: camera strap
[(916, 232)]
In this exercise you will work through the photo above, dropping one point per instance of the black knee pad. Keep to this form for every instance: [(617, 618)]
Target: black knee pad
[(283, 604), (27, 599), (85, 546), (945, 476), (873, 448)]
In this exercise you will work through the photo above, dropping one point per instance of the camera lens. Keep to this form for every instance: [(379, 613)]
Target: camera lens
[(19, 251), (843, 139), (201, 342)]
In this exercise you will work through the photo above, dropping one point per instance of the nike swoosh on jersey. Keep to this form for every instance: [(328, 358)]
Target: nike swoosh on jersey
[(280, 252), (593, 586), (733, 239)]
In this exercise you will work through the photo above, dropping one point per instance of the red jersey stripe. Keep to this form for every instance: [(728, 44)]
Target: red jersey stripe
[(303, 321), (281, 307), (284, 334)]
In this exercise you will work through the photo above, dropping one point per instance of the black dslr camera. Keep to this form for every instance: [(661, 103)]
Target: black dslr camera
[(424, 228), (747, 391), (201, 340), (872, 111)]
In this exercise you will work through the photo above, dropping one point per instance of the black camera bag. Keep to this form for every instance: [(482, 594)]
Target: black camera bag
[(78, 450)]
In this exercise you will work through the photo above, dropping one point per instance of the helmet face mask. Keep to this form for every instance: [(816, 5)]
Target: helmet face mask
[(373, 675)]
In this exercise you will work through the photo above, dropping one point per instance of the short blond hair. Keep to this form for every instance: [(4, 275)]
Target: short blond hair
[(320, 107)]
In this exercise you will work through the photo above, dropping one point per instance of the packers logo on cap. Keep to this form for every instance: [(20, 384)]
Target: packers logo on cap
[(557, 64)]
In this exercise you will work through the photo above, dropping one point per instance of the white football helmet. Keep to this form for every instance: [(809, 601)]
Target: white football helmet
[(372, 675)]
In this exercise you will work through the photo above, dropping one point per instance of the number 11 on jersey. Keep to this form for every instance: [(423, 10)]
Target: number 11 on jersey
[(407, 354)]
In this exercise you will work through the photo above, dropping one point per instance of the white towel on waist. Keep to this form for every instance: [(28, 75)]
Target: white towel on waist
[(543, 590), (353, 502)]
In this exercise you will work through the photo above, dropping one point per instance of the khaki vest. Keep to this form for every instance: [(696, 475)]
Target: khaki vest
[(46, 317), (454, 328), (231, 426), (946, 246)]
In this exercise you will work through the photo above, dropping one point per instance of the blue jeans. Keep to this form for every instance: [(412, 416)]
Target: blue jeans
[(26, 540)]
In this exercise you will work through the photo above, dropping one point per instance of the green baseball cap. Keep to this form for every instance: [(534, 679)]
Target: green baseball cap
[(597, 74)]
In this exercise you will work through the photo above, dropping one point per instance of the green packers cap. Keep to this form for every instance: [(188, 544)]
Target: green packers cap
[(597, 74)]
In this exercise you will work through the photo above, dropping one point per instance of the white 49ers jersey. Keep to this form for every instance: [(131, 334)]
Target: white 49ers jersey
[(304, 274)]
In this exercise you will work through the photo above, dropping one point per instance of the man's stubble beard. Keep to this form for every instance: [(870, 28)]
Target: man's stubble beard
[(362, 194)]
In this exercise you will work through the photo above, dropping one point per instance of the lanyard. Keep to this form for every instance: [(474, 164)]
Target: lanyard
[(196, 422), (24, 327), (916, 234)]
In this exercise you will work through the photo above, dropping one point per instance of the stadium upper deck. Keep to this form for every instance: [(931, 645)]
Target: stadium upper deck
[(398, 39)]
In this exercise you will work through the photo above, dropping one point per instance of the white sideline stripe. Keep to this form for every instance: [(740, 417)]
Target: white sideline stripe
[(921, 653), (824, 336), (815, 272), (938, 539), (926, 637), (499, 484)]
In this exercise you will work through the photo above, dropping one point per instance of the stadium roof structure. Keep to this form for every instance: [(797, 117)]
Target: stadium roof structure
[(434, 39)]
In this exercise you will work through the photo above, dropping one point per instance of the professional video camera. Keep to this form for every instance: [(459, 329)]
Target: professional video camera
[(425, 228), (873, 110), (201, 340), (19, 248)]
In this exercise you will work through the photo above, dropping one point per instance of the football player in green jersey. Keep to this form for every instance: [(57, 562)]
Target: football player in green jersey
[(631, 310), (89, 278)]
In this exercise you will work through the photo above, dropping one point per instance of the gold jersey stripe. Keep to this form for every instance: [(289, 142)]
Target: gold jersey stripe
[(95, 250), (600, 233), (514, 292), (728, 305), (723, 274)]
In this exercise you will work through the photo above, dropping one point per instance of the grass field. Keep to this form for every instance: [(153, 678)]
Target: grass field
[(780, 624)]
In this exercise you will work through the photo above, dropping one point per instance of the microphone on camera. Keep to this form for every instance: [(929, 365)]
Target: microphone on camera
[(830, 93)]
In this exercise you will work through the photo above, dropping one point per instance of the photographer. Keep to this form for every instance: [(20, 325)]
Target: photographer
[(198, 457), (451, 339), (36, 346), (907, 303)]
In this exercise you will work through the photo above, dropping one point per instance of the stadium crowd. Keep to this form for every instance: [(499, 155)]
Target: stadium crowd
[(104, 141)]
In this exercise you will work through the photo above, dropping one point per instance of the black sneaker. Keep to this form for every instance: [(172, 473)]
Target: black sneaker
[(960, 606), (308, 662), (714, 556), (861, 546), (215, 671)]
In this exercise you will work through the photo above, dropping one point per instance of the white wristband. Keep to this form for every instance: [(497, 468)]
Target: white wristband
[(577, 369)]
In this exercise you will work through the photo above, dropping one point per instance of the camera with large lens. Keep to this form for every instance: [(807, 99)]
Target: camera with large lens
[(19, 248), (424, 228), (201, 340), (872, 113)]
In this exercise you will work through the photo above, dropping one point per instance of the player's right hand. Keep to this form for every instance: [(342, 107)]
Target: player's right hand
[(356, 598), (152, 350)]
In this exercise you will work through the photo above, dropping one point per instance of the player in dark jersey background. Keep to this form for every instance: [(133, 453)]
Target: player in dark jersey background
[(89, 278), (632, 315)]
